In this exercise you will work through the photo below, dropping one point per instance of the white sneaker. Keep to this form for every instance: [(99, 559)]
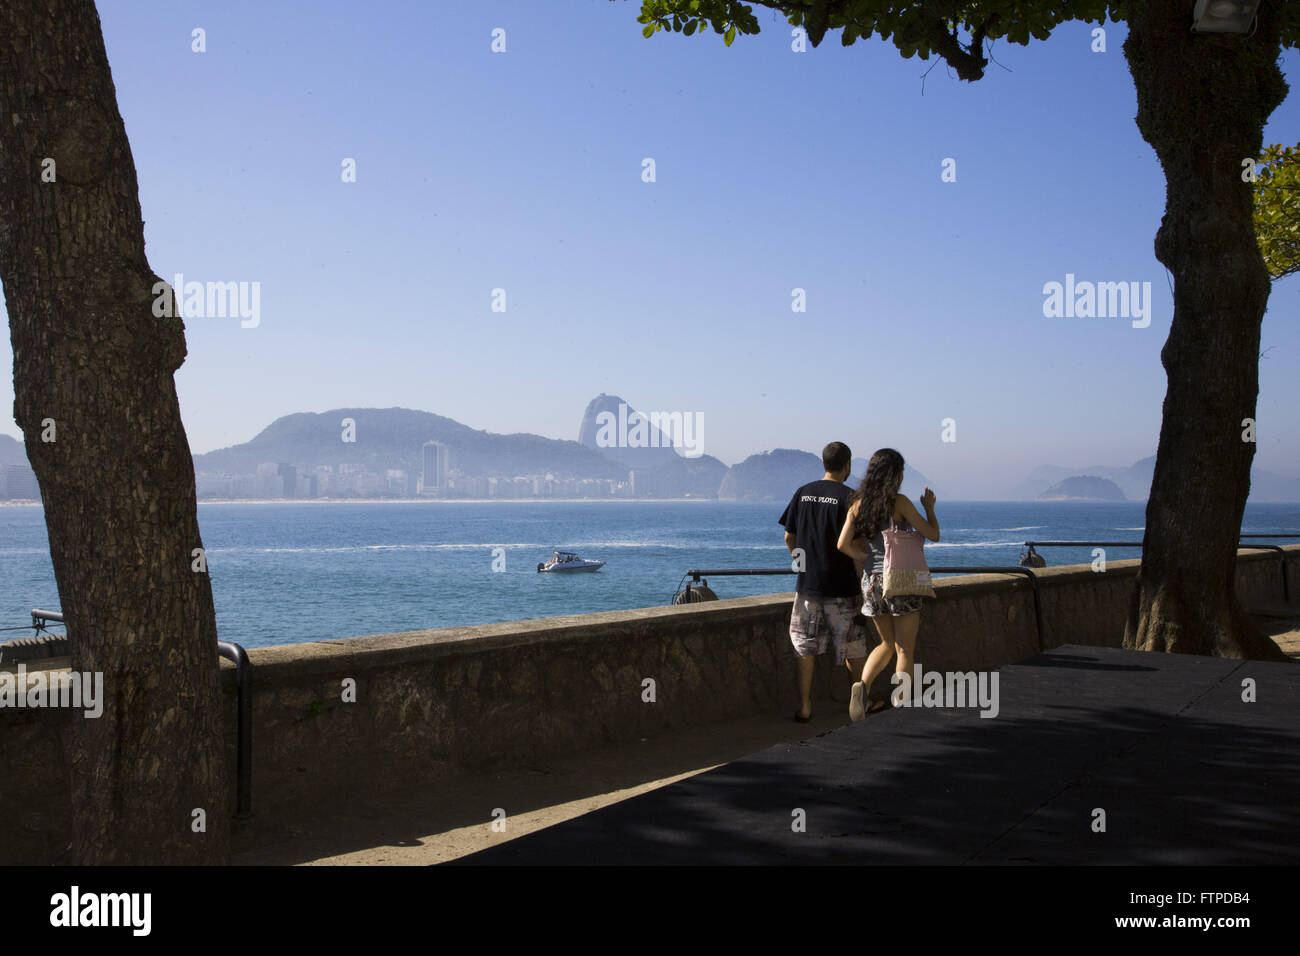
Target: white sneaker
[(856, 710)]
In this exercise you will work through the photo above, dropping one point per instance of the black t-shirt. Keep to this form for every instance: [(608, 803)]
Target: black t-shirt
[(815, 516)]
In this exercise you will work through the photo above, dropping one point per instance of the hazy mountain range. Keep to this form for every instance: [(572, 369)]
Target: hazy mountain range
[(1135, 481), (394, 438), (774, 475)]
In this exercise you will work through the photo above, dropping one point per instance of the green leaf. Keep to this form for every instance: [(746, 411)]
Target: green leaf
[(729, 35), (690, 27), (650, 28)]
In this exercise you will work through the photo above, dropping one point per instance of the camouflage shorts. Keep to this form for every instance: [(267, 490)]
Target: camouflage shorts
[(817, 621), (875, 604)]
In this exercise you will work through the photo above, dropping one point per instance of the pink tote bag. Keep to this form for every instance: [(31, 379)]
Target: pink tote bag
[(906, 572)]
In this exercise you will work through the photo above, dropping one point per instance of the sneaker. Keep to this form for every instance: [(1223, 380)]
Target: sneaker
[(856, 710)]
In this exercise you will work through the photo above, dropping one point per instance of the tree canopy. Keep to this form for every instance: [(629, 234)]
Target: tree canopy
[(1277, 209), (954, 29)]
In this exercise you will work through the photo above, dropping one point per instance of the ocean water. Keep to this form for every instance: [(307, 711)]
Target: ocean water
[(284, 573)]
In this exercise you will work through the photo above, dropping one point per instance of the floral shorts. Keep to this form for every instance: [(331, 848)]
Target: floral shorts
[(817, 621), (875, 604)]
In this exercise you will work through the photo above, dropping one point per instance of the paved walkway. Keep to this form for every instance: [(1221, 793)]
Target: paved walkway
[(435, 821), (1184, 770)]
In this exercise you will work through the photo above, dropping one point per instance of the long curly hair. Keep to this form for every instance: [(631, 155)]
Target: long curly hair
[(875, 496)]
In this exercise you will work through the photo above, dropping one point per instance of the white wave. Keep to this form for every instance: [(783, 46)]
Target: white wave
[(1028, 527), (371, 547), (486, 546), (679, 545)]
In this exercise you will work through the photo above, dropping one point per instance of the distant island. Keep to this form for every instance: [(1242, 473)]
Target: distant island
[(1084, 488)]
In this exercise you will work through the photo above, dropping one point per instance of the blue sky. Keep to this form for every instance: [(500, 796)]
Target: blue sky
[(775, 170)]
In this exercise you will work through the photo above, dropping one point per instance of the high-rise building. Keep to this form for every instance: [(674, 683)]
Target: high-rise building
[(268, 486), (437, 458), (289, 474)]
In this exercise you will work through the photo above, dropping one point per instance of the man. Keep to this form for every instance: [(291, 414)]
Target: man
[(827, 592)]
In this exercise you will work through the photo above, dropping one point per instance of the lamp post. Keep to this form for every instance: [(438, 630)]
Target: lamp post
[(1224, 16)]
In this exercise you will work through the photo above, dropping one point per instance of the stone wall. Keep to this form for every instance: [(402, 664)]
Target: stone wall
[(503, 694)]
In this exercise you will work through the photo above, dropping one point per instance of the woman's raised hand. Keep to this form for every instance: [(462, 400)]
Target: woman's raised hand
[(927, 499)]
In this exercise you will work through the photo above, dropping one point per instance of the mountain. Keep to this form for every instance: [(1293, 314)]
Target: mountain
[(1135, 480), (395, 437), (12, 451), (610, 427), (1083, 488), (617, 431), (770, 475)]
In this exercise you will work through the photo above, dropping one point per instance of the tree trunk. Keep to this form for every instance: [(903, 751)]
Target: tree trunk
[(1203, 100), (93, 371)]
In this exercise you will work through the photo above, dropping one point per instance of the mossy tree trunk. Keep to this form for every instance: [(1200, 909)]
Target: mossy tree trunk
[(93, 371), (1203, 101)]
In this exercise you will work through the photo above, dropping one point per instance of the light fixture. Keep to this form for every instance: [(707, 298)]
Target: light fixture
[(1224, 16)]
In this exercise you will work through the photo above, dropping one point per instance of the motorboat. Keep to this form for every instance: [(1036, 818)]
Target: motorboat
[(568, 561)]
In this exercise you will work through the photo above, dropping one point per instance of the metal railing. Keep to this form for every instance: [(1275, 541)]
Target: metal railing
[(1083, 544), (41, 618), (1241, 543), (697, 575), (243, 726), (1286, 584), (243, 710)]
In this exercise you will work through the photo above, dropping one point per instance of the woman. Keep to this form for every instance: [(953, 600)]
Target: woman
[(874, 506)]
